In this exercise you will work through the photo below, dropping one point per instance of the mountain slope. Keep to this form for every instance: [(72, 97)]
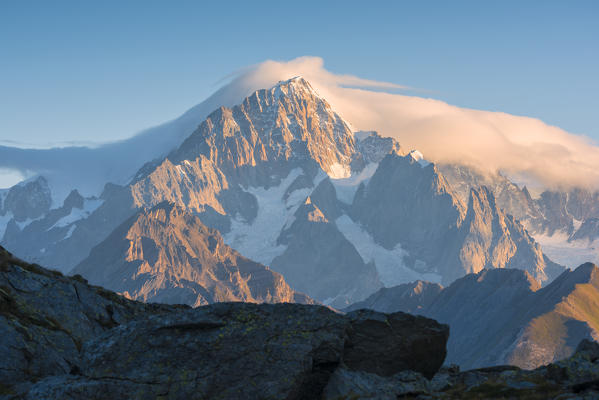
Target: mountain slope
[(502, 316), (411, 205), (561, 221), (167, 255)]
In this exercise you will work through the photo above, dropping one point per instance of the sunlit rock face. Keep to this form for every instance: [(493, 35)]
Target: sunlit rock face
[(256, 143), (167, 255)]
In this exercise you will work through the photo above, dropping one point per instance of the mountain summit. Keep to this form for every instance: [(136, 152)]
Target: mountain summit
[(287, 184)]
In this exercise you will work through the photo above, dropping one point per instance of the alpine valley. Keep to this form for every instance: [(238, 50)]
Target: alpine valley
[(277, 199)]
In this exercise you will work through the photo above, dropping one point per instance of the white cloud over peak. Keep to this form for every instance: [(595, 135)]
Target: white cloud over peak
[(522, 147), (519, 146)]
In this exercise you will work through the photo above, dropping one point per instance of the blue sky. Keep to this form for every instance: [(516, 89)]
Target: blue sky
[(96, 71)]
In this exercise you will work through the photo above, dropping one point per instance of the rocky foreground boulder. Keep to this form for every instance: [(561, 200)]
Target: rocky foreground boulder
[(65, 339), (62, 338)]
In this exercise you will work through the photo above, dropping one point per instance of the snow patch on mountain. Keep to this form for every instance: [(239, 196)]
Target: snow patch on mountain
[(89, 206), (568, 253), (339, 171), (70, 231), (346, 187), (23, 224), (258, 240), (389, 263), (419, 158)]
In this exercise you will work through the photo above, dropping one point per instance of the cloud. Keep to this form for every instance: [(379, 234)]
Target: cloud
[(522, 147)]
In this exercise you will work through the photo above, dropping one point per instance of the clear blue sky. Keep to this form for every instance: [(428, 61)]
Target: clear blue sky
[(102, 70)]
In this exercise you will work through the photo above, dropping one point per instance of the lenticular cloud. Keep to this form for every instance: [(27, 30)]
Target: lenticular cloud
[(521, 147)]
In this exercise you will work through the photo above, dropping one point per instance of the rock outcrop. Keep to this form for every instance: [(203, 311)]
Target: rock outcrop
[(167, 255), (63, 338), (576, 377)]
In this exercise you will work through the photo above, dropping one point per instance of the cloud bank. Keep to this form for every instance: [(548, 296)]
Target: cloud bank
[(521, 147)]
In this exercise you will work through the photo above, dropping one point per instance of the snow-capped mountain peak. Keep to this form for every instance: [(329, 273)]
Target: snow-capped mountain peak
[(418, 157)]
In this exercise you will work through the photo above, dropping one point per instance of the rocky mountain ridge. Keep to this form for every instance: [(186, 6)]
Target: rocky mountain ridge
[(563, 221), (503, 316), (165, 254)]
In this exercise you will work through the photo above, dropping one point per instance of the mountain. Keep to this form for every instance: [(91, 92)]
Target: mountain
[(411, 297), (24, 202), (167, 255), (288, 184), (503, 316), (409, 204), (560, 220), (63, 236)]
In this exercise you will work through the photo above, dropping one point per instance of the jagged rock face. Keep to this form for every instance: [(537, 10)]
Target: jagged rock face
[(406, 203), (493, 239), (256, 143), (589, 230), (64, 236), (509, 196), (167, 255), (554, 212), (289, 121), (29, 200), (412, 205), (45, 318), (502, 316), (410, 297), (320, 261), (65, 339), (372, 148), (325, 198), (246, 171)]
